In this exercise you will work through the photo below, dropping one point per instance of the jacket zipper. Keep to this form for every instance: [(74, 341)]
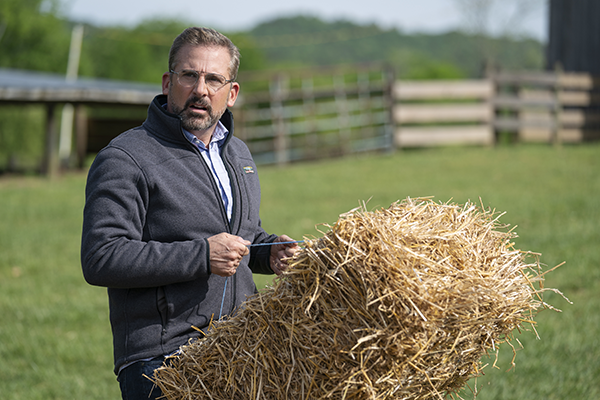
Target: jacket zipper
[(229, 224), (235, 188)]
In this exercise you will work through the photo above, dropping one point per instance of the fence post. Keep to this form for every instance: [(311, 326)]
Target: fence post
[(364, 94), (365, 103), (341, 102), (277, 97), (490, 77), (557, 109), (390, 98), (308, 101)]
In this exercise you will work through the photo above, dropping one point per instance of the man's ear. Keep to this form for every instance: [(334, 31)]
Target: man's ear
[(166, 81), (233, 94)]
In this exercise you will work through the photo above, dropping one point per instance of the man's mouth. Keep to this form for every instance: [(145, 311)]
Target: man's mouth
[(199, 106), (196, 107)]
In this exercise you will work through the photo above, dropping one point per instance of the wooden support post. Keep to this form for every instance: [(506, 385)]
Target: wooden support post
[(50, 161), (81, 134)]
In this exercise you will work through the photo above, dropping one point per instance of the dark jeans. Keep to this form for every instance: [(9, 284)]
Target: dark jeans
[(134, 385)]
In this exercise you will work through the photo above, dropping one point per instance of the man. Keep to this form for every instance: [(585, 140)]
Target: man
[(172, 208)]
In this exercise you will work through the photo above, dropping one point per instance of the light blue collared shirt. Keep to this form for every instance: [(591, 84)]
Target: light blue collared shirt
[(212, 156)]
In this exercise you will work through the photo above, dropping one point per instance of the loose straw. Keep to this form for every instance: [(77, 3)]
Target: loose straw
[(397, 303)]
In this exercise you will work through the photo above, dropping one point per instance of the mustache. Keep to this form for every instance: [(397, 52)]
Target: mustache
[(197, 101)]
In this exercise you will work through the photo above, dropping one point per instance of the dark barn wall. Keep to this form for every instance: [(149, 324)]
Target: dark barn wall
[(574, 36)]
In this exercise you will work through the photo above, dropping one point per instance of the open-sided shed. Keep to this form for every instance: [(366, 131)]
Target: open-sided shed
[(52, 90)]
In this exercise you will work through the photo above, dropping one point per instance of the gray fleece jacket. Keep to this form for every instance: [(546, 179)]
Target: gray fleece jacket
[(151, 204)]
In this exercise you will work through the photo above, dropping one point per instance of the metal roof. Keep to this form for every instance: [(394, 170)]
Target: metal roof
[(21, 86)]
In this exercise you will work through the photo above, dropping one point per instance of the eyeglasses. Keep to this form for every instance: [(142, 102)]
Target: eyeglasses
[(189, 78)]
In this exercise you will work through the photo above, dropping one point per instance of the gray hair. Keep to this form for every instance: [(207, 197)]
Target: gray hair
[(205, 37)]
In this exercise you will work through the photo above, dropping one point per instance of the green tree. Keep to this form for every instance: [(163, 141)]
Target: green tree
[(309, 41), (141, 53), (411, 64), (133, 54), (252, 56), (33, 36), (21, 137)]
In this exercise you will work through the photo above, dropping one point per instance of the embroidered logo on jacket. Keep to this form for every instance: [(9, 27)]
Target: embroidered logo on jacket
[(249, 170)]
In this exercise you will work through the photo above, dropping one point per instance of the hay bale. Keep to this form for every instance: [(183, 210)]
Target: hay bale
[(399, 303)]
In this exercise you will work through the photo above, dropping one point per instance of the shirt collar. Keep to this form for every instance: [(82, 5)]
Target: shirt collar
[(220, 132), (219, 136)]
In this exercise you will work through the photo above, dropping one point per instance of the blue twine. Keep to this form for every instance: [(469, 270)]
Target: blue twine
[(274, 243), (223, 298)]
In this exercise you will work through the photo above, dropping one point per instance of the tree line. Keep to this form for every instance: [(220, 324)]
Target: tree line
[(35, 35)]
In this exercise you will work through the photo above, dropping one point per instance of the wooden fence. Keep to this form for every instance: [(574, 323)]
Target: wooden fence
[(313, 114), (320, 113), (548, 107), (434, 113)]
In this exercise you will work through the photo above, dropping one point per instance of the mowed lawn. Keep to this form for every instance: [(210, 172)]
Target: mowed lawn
[(55, 339)]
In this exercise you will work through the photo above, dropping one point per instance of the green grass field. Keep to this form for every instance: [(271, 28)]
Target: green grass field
[(55, 340)]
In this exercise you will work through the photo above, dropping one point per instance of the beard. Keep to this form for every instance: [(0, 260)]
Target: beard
[(192, 122)]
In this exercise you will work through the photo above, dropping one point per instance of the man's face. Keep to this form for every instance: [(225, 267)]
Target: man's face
[(199, 106)]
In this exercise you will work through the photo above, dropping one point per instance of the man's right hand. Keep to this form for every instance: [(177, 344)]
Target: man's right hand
[(226, 252)]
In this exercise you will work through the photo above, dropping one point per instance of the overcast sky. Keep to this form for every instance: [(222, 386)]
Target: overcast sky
[(235, 15)]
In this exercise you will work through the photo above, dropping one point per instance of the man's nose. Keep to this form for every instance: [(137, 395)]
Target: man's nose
[(201, 87)]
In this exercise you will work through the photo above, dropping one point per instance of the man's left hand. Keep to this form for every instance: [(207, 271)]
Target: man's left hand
[(280, 253)]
